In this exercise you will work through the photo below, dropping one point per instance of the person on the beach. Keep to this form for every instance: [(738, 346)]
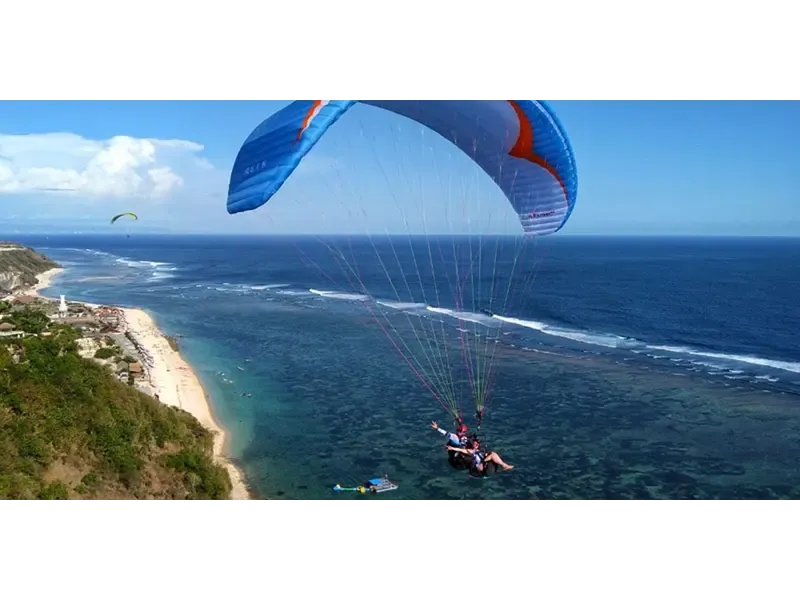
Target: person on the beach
[(481, 457), (459, 438)]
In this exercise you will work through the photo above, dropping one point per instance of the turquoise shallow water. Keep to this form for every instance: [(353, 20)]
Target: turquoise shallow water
[(597, 409)]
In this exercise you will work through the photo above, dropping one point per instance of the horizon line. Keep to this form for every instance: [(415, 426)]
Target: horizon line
[(399, 234)]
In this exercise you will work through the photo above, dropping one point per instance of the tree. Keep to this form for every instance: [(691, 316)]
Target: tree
[(29, 320), (113, 440), (104, 353)]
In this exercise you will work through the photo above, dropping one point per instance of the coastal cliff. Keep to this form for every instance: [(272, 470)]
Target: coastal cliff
[(80, 412), (19, 267)]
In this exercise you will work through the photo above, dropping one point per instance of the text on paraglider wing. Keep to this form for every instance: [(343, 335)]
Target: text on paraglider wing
[(256, 167)]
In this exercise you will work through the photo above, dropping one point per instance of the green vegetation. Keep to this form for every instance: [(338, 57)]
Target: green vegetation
[(69, 429), (107, 352), (29, 320)]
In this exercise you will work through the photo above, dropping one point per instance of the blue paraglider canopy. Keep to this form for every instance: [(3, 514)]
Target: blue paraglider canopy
[(519, 143)]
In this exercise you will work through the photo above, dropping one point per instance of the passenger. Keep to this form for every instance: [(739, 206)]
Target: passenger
[(459, 438), (481, 458)]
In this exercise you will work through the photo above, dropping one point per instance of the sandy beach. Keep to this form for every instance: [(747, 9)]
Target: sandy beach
[(177, 385), (170, 377), (44, 280)]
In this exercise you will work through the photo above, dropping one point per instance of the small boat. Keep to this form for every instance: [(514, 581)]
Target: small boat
[(374, 486)]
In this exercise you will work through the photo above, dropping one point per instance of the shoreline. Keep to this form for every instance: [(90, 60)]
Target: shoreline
[(176, 384), (45, 280), (172, 379)]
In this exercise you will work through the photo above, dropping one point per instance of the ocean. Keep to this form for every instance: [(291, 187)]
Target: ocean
[(609, 367)]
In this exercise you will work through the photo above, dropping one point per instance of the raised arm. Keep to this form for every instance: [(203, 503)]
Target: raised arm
[(435, 425)]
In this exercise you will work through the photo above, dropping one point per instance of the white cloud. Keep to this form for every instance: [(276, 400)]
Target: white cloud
[(169, 184), (66, 164)]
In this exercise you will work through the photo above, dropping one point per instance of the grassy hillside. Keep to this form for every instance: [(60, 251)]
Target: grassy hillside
[(69, 429)]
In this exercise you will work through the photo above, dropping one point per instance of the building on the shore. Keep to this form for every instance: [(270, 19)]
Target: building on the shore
[(109, 318), (123, 342), (135, 369), (8, 330), (24, 300), (84, 324), (122, 370)]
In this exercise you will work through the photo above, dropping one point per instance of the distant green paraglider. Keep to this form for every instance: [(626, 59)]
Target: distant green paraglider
[(125, 214)]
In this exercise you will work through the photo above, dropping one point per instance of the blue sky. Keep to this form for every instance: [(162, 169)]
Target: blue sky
[(644, 168)]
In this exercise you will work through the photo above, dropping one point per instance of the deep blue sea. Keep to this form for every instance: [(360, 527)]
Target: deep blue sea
[(609, 367)]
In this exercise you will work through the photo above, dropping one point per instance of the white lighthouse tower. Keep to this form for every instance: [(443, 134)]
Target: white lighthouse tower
[(62, 307)]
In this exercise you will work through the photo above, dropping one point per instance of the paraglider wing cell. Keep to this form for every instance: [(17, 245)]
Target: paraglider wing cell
[(520, 144)]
